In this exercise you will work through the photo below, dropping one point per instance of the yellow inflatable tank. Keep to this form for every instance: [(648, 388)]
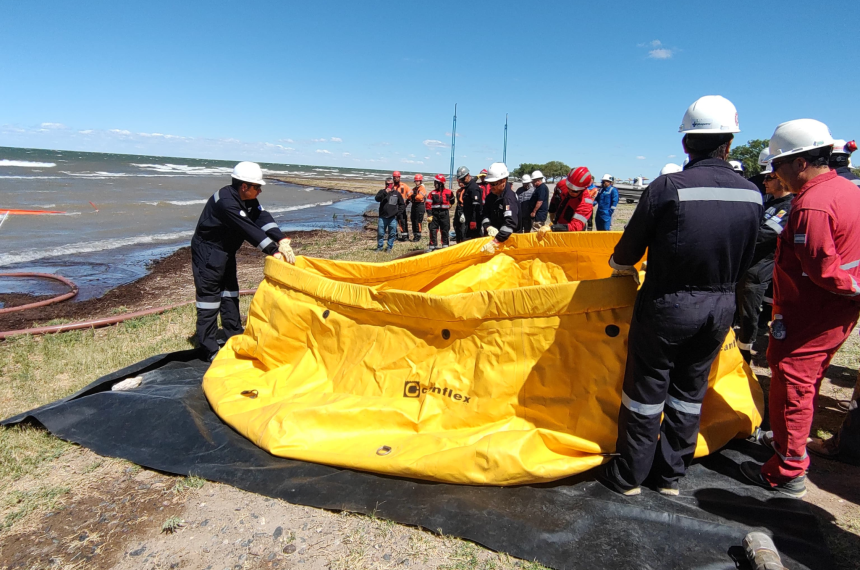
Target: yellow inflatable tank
[(453, 366)]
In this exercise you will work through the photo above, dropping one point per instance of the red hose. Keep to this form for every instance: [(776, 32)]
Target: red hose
[(51, 301), (97, 323)]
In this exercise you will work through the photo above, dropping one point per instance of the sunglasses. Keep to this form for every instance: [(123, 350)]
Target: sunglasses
[(769, 178), (498, 182), (775, 164)]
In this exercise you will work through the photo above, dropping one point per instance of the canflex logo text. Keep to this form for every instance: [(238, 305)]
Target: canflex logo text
[(413, 389)]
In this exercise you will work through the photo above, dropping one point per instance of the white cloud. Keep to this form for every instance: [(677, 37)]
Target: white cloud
[(323, 151), (432, 143), (290, 141), (319, 140), (86, 132), (162, 136), (336, 139), (426, 158), (120, 132), (411, 156), (53, 126), (661, 53), (346, 154), (640, 157), (449, 134), (671, 156), (279, 146), (412, 161)]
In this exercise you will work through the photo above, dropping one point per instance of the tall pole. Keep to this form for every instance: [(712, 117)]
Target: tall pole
[(453, 144), (505, 151)]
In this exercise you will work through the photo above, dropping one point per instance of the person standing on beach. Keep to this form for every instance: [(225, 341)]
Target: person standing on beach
[(402, 219), (231, 216), (439, 202), (419, 194), (391, 204)]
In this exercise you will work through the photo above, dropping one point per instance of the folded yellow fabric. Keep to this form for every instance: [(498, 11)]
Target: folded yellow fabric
[(451, 366)]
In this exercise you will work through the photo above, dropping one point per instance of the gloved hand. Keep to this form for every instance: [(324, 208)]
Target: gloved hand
[(462, 219), (491, 247), (473, 225), (285, 252), (624, 270), (492, 232), (543, 230)]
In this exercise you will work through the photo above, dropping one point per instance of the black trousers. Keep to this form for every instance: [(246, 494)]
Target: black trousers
[(673, 341), (750, 297), (417, 219), (217, 292), (442, 222), (460, 229), (403, 225)]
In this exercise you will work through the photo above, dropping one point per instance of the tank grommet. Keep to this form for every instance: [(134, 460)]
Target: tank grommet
[(326, 313), (612, 330), (446, 334), (250, 393), (384, 450)]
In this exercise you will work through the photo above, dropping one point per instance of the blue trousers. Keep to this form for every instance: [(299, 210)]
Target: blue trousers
[(603, 224), (386, 225)]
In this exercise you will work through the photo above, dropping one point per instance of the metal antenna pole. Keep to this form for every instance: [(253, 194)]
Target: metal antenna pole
[(505, 151), (453, 145)]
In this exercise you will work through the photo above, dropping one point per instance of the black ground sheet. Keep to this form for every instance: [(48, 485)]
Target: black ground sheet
[(167, 424)]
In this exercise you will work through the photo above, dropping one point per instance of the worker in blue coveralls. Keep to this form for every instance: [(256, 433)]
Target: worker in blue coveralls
[(606, 201), (699, 227)]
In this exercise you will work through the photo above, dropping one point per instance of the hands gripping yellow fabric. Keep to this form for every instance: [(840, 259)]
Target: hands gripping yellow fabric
[(285, 251)]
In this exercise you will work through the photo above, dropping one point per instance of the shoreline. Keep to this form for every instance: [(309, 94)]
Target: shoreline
[(364, 187)]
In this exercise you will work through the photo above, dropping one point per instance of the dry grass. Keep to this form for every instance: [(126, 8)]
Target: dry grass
[(360, 186)]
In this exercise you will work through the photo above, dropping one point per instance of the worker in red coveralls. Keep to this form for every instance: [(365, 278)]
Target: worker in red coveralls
[(570, 205), (816, 295)]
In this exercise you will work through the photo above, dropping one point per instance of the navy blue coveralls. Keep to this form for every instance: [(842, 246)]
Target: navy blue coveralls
[(225, 223), (846, 173), (699, 227), (502, 212), (755, 283)]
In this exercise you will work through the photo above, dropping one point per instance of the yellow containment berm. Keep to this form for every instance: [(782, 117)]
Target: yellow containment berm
[(453, 366)]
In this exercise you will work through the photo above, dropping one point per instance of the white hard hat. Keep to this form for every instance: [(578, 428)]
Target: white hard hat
[(839, 146), (737, 166), (497, 171), (526, 178), (798, 136), (711, 114), (768, 168), (607, 177), (670, 168), (537, 174), (762, 157), (249, 172)]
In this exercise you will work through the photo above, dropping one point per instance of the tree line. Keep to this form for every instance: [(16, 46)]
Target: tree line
[(553, 169)]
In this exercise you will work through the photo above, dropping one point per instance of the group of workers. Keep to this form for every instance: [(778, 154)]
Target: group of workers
[(714, 247), (476, 200)]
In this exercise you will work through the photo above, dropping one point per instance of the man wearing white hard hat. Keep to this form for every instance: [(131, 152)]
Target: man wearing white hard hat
[(539, 207), (605, 202), (525, 195), (230, 217), (816, 282), (501, 209), (699, 227), (840, 160), (737, 166)]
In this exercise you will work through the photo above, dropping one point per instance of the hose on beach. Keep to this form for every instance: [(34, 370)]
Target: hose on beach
[(91, 324)]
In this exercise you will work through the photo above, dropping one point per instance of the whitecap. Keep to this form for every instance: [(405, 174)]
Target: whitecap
[(87, 247), (301, 207), (27, 164)]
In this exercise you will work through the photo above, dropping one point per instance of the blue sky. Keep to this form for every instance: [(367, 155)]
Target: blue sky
[(373, 84)]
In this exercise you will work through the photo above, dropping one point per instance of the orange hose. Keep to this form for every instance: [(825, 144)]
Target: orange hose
[(51, 301), (28, 212)]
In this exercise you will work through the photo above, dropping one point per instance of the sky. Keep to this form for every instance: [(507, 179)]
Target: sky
[(373, 84)]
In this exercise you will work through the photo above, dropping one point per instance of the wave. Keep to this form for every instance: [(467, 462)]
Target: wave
[(301, 207), (30, 177), (27, 164), (175, 202), (184, 169), (88, 247)]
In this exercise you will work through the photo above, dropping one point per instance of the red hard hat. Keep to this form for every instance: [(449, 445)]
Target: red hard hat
[(579, 178), (483, 172), (419, 177), (396, 173), (440, 178), (850, 146)]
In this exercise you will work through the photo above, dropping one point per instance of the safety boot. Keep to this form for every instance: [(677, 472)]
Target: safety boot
[(670, 489), (795, 487)]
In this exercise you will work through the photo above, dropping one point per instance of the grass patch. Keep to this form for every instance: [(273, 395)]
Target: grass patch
[(172, 524), (23, 503), (187, 483)]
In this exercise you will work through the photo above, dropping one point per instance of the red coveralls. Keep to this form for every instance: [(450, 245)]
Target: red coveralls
[(816, 290), (572, 211)]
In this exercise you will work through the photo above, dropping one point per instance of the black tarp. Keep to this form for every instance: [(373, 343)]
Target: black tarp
[(576, 523)]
